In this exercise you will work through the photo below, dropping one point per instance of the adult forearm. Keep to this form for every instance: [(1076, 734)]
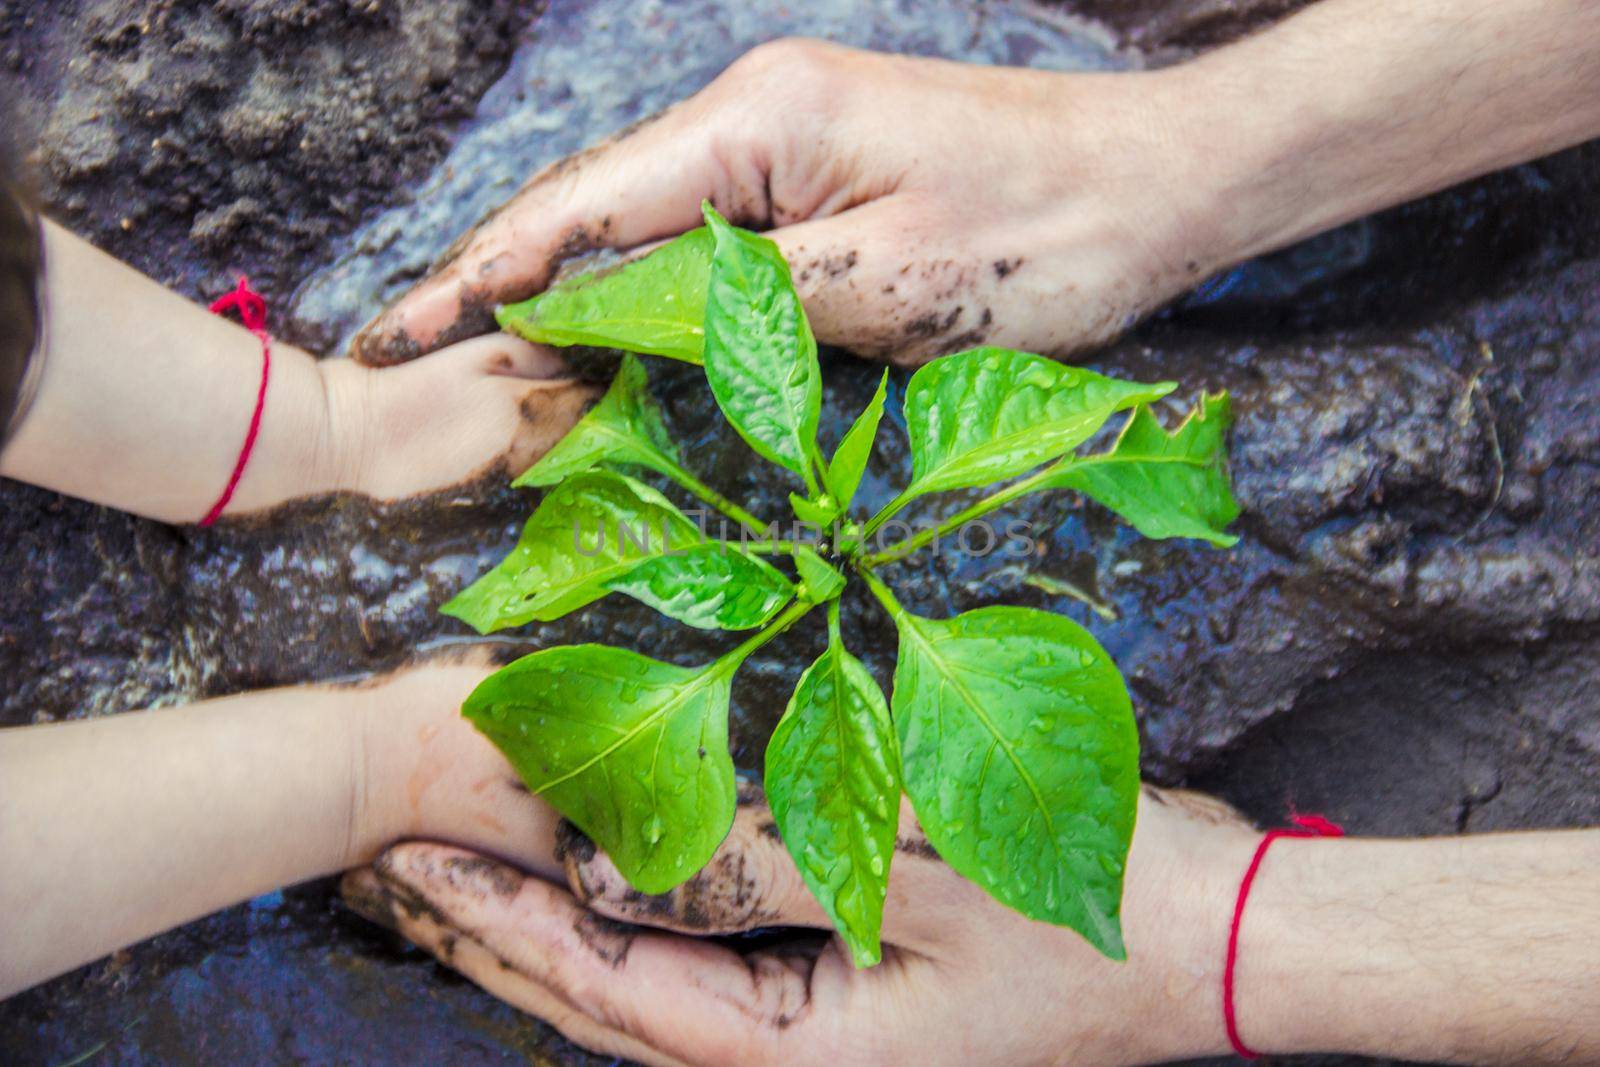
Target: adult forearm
[(1356, 105), (1469, 950)]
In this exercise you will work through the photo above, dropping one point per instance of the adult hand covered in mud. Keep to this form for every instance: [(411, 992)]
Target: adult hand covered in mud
[(963, 978), (927, 206)]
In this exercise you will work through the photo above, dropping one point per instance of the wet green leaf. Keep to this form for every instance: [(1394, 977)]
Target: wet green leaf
[(819, 580), (655, 304), (713, 586), (833, 781), (849, 460), (1166, 485), (625, 427), (632, 750), (592, 528), (1021, 758), (760, 356), (982, 416)]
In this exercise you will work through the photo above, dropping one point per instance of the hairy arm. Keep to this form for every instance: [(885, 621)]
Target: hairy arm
[(1478, 950), (1353, 106), (114, 829)]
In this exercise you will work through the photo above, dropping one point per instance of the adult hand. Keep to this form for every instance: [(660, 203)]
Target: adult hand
[(929, 205), (963, 978), (925, 205)]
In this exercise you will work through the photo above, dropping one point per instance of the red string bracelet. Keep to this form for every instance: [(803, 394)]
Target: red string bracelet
[(253, 313), (1304, 826)]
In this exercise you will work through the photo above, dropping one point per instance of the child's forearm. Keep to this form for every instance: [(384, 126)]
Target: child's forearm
[(144, 399), (115, 829)]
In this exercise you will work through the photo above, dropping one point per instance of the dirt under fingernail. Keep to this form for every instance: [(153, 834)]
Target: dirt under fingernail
[(368, 899)]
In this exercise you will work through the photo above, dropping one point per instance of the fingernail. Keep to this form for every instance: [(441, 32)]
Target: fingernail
[(363, 894)]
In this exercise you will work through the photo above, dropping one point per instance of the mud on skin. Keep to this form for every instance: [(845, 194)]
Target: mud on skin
[(725, 897), (1406, 639)]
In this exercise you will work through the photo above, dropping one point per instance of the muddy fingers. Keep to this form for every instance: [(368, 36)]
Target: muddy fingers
[(749, 883), (394, 905), (643, 994), (752, 883)]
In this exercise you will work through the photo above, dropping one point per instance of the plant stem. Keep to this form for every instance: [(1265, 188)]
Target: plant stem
[(881, 591), (998, 499), (806, 471), (731, 660), (884, 514), (712, 497)]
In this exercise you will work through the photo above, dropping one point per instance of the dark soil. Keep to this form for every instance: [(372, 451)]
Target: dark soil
[(200, 138), (1407, 638)]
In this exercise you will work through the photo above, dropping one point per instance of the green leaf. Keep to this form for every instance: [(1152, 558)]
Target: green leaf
[(819, 513), (713, 586), (625, 427), (833, 781), (849, 460), (760, 356), (982, 416), (1021, 758), (592, 528), (632, 750), (819, 580), (655, 304), (1166, 485)]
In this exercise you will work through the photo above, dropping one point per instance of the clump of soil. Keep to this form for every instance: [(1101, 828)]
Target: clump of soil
[(200, 138)]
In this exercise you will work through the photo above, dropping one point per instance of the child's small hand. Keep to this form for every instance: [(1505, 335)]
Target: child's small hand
[(422, 771), (488, 407)]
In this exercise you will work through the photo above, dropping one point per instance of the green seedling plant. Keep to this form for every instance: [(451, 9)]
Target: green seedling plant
[(1010, 729)]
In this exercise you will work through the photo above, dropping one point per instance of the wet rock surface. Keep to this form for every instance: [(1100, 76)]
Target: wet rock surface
[(1407, 638), (1163, 27)]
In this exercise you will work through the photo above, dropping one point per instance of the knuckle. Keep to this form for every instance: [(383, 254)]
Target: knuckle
[(794, 69)]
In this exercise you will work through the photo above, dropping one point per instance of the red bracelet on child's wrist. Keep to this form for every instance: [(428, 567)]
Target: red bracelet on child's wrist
[(1304, 826), (253, 313)]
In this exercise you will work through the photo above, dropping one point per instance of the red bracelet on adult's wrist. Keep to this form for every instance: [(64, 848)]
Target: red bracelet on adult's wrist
[(252, 311), (1304, 826)]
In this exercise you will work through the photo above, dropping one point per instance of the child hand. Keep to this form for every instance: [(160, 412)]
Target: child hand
[(485, 408), (425, 772)]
